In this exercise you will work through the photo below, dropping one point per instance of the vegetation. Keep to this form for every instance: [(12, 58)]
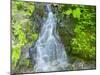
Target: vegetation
[(22, 27), (76, 27), (83, 43)]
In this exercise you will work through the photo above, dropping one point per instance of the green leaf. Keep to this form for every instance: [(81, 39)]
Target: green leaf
[(76, 13), (68, 12)]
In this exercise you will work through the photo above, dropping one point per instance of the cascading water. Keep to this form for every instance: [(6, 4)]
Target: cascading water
[(48, 53)]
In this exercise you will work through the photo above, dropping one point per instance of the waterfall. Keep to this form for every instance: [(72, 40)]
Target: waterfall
[(49, 53)]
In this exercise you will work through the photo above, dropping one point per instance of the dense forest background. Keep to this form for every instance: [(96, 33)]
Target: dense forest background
[(76, 27)]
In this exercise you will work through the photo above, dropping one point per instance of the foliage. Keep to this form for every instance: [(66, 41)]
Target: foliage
[(76, 12), (83, 43), (21, 27)]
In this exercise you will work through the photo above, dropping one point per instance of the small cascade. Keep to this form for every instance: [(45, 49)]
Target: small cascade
[(49, 53)]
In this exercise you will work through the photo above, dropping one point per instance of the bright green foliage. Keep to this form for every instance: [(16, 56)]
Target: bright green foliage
[(68, 12), (83, 39), (84, 42), (15, 54), (21, 40), (74, 12), (22, 8), (21, 27)]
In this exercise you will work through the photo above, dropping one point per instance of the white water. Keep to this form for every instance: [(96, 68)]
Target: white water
[(49, 51)]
